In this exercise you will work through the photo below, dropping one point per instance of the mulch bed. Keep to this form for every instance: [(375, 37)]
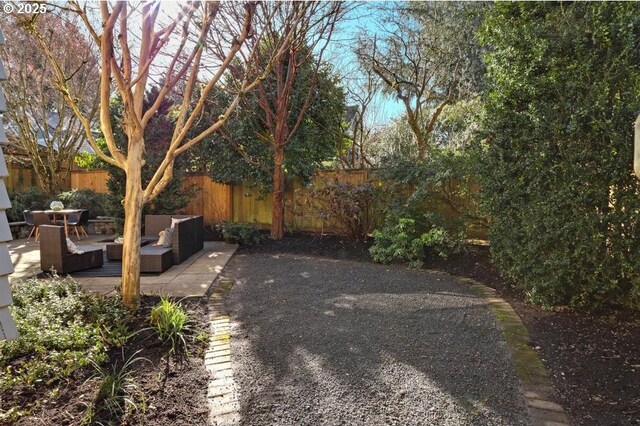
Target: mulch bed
[(593, 360), (174, 388)]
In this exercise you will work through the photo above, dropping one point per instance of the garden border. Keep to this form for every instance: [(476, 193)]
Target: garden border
[(538, 388), (222, 392)]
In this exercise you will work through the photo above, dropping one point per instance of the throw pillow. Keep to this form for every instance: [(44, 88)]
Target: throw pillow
[(72, 248), (175, 220), (161, 239), (168, 237)]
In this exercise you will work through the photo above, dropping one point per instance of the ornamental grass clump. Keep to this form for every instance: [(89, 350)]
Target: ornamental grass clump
[(118, 396), (171, 324)]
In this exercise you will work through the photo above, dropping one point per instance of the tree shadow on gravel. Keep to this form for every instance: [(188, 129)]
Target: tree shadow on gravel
[(329, 342)]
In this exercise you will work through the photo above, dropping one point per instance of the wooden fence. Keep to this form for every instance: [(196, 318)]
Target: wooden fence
[(22, 178), (95, 180), (239, 203)]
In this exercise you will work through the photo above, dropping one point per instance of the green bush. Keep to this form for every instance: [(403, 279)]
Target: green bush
[(563, 93), (244, 234), (402, 241), (33, 198), (62, 328), (84, 199)]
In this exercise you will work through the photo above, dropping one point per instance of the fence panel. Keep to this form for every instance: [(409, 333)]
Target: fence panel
[(212, 202), (20, 179), (95, 180)]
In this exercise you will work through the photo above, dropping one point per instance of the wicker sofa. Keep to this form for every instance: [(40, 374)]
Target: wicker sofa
[(54, 253), (187, 239)]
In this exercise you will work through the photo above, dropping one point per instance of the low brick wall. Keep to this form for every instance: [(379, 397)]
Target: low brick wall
[(101, 226), (19, 229)]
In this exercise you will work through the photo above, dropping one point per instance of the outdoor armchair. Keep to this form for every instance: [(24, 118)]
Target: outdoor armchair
[(55, 255)]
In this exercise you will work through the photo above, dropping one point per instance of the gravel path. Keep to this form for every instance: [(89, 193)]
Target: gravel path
[(327, 342)]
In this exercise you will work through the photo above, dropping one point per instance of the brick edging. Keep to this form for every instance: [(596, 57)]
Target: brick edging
[(537, 387), (222, 392)]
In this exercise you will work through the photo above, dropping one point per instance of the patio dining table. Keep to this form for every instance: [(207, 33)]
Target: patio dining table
[(64, 214)]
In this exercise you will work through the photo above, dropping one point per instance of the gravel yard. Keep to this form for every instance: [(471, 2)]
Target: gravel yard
[(319, 341)]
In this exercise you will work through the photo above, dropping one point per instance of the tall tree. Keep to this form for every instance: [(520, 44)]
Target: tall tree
[(310, 36), (176, 195), (43, 131), (427, 58), (241, 154), (362, 96), (137, 45)]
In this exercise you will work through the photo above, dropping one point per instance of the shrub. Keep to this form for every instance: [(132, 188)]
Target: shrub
[(402, 241), (84, 199), (171, 323), (557, 180), (345, 204), (61, 327), (33, 198), (244, 234), (438, 190)]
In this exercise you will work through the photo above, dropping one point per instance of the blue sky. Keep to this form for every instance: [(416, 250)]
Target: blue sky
[(364, 18)]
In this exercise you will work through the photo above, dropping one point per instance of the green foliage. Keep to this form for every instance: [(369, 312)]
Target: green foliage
[(245, 155), (62, 328), (563, 93), (118, 394), (86, 160), (345, 204), (36, 199), (175, 196), (244, 234), (86, 199), (171, 324), (33, 198), (402, 241)]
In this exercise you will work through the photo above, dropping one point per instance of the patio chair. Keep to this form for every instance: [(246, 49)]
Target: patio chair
[(55, 255), (40, 218), (28, 219), (79, 221)]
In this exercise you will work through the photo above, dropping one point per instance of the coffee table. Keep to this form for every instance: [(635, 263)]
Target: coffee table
[(114, 250)]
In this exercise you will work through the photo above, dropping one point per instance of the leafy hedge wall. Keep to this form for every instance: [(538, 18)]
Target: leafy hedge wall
[(563, 93)]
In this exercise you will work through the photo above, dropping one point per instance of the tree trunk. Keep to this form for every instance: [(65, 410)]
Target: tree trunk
[(277, 217), (132, 226)]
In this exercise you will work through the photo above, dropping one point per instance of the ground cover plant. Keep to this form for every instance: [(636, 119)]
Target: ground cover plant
[(83, 358), (62, 329), (244, 234)]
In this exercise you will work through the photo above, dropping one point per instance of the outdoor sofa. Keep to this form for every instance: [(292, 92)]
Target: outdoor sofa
[(187, 239), (54, 253)]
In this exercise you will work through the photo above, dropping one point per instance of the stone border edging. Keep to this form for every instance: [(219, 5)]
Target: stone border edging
[(222, 392), (538, 389)]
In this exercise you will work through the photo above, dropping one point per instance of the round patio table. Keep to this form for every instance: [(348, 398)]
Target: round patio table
[(65, 214)]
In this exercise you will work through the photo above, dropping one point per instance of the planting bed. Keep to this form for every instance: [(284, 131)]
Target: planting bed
[(168, 389)]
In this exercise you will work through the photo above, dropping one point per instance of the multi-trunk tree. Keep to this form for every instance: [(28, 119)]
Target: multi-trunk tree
[(427, 58), (43, 131), (189, 49)]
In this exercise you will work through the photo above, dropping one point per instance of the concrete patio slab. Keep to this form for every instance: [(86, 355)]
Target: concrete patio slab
[(191, 278)]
